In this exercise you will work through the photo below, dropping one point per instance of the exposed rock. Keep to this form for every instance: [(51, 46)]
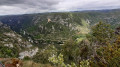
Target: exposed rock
[(49, 20), (29, 53), (10, 34), (9, 45)]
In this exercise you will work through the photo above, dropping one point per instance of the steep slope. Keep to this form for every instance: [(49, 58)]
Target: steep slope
[(50, 28), (12, 44)]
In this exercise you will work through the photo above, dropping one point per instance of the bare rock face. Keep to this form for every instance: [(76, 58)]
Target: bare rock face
[(9, 45), (10, 34), (29, 53), (14, 39), (11, 39), (49, 20)]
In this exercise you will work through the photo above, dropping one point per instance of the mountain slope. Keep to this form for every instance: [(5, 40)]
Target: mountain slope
[(11, 43), (50, 28)]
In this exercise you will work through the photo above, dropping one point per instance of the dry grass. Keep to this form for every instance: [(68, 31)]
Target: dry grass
[(33, 64)]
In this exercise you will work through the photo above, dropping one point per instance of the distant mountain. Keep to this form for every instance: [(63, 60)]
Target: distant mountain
[(50, 28)]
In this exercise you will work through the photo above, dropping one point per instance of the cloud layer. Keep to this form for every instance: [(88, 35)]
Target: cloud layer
[(38, 6)]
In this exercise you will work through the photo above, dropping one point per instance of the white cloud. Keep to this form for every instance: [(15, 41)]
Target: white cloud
[(88, 4), (38, 6)]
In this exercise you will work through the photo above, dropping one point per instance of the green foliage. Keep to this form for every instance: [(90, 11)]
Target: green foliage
[(6, 52), (109, 54), (101, 47), (43, 55), (118, 40), (85, 63), (68, 50), (102, 33), (76, 52), (59, 61), (27, 58)]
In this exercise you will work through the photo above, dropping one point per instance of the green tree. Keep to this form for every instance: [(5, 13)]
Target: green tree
[(85, 63), (106, 49), (76, 52), (43, 55), (59, 62), (68, 50), (6, 52), (102, 33)]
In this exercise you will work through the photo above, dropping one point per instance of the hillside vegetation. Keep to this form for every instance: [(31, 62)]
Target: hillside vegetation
[(68, 39)]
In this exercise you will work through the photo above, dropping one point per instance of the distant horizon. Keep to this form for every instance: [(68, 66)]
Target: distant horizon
[(14, 7), (63, 12)]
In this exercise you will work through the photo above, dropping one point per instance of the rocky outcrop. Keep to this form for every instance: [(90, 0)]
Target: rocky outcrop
[(29, 53), (11, 39)]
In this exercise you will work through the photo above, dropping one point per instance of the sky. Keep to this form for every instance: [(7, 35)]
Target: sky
[(10, 7)]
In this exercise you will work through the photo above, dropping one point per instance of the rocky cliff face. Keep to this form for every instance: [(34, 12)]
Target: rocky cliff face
[(11, 39), (50, 28)]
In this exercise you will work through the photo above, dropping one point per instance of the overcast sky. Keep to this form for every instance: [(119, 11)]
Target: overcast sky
[(8, 7)]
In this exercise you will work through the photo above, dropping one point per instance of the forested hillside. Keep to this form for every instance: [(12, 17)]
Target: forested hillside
[(66, 39)]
